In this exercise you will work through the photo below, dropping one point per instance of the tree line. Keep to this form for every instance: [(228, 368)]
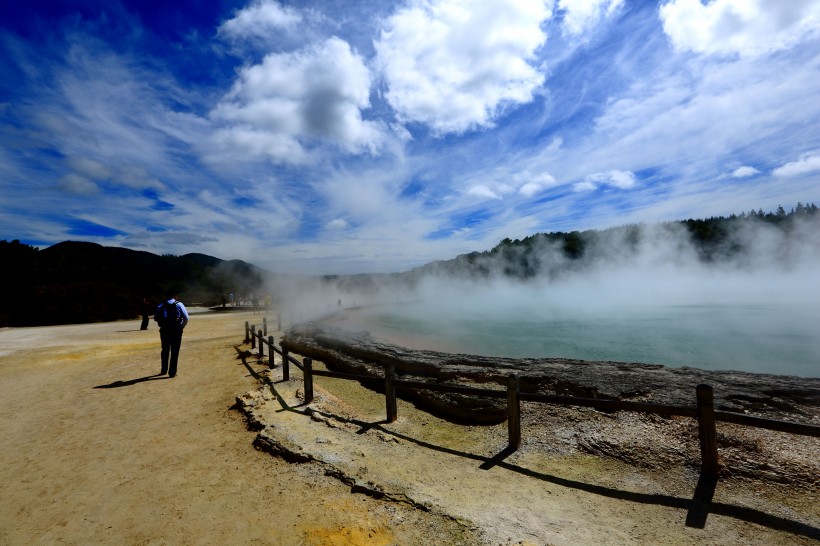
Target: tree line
[(77, 282), (553, 254)]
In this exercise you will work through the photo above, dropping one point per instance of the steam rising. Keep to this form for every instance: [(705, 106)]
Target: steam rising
[(762, 283)]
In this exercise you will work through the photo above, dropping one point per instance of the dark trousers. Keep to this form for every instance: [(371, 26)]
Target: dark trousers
[(144, 325), (171, 340)]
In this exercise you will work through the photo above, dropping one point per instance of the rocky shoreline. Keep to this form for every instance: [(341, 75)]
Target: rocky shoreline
[(765, 395), (640, 440)]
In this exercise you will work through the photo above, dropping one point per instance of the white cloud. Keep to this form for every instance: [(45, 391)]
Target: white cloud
[(454, 64), (290, 100), (806, 164), (483, 191), (261, 19), (617, 179), (337, 224), (584, 186), (529, 189), (535, 183), (365, 197), (581, 15), (739, 27), (744, 172), (255, 143)]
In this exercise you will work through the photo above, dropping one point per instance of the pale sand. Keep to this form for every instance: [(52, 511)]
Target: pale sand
[(160, 461), (141, 460)]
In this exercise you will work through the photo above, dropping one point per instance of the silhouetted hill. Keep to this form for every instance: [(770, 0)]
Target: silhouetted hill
[(75, 282)]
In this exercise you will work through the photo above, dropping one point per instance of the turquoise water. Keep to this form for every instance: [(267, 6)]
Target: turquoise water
[(777, 339)]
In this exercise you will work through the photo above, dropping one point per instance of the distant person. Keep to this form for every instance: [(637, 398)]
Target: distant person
[(145, 311), (172, 317)]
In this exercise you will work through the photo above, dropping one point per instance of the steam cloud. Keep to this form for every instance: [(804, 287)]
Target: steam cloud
[(765, 273)]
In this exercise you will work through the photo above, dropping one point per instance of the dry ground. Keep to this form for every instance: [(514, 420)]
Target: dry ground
[(98, 450)]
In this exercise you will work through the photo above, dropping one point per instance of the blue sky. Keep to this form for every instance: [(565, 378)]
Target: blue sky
[(373, 136)]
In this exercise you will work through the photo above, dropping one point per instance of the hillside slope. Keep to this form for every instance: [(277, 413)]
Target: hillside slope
[(76, 282)]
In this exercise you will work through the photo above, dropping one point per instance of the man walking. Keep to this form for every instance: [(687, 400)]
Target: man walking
[(172, 317), (145, 310)]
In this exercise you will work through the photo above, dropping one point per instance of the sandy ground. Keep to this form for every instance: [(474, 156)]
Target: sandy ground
[(98, 450)]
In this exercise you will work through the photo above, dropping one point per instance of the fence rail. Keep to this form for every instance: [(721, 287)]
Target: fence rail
[(703, 412)]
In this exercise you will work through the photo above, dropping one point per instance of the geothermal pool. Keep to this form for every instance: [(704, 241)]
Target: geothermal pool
[(763, 338)]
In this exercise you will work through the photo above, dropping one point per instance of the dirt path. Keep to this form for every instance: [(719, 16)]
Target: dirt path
[(97, 450)]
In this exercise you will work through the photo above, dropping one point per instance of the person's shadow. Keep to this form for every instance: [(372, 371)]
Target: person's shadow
[(129, 382)]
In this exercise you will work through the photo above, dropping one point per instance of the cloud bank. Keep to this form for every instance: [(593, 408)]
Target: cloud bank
[(281, 106), (456, 78), (322, 138), (746, 28)]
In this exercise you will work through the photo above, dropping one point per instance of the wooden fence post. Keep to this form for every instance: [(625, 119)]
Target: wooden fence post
[(253, 336), (271, 353), (308, 364), (514, 411), (707, 431), (247, 334), (265, 325), (390, 392), (285, 365), (261, 345)]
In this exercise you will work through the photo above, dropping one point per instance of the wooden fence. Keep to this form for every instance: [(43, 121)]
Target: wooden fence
[(704, 410)]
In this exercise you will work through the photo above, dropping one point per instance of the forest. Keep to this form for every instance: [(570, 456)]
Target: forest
[(716, 239), (77, 282)]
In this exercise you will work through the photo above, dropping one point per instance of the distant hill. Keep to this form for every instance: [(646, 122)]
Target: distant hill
[(77, 282), (717, 240)]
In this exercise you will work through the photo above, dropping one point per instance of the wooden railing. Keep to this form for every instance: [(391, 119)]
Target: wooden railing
[(703, 411)]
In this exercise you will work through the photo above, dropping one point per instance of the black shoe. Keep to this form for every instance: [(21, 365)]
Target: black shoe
[(172, 375)]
